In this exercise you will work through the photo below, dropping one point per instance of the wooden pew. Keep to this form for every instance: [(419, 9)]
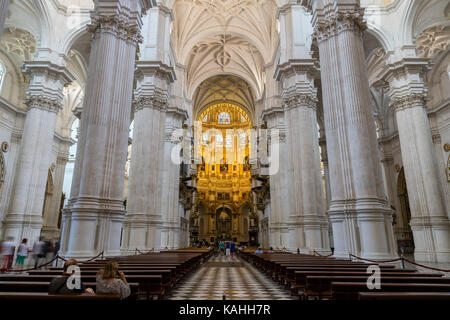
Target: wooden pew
[(291, 277), (320, 286), (5, 296), (150, 285), (42, 286), (168, 276), (300, 276), (433, 296), (351, 290)]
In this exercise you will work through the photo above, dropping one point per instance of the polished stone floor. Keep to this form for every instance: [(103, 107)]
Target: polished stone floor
[(233, 278)]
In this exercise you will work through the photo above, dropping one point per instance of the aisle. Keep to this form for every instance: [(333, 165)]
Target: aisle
[(236, 280)]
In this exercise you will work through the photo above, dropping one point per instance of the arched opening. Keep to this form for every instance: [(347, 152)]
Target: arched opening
[(406, 240), (224, 178)]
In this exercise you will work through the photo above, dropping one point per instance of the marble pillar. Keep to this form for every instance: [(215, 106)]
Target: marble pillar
[(96, 209), (48, 76), (280, 180), (170, 182), (359, 211), (3, 14), (429, 220), (308, 226), (50, 228), (143, 222)]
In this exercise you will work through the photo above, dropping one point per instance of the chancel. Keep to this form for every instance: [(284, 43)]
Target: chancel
[(225, 149)]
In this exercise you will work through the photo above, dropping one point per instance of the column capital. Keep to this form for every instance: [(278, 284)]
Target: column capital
[(330, 20), (47, 81), (156, 69), (293, 67), (297, 77), (153, 78), (405, 78), (157, 101), (402, 102), (116, 18), (295, 99)]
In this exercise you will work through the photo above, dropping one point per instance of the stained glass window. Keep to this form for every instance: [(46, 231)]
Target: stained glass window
[(243, 139), (2, 74), (243, 118), (229, 141), (224, 118), (205, 119), (219, 140), (205, 139)]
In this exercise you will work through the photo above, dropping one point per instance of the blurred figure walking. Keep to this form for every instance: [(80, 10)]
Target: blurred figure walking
[(7, 253), (22, 254)]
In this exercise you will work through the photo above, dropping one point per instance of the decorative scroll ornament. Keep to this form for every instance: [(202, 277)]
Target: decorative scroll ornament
[(5, 146), (19, 42), (433, 41), (448, 169), (4, 149)]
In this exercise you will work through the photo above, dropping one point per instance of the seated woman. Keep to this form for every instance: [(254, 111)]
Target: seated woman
[(111, 280), (63, 285)]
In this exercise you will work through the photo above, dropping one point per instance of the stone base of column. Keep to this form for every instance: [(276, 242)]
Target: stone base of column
[(20, 226), (431, 239), (50, 232), (142, 232), (170, 236), (95, 227), (279, 236), (309, 233), (365, 231)]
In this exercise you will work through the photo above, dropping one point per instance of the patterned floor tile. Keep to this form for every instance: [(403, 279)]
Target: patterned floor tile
[(234, 278)]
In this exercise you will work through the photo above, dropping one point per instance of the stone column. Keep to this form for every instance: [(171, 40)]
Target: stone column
[(3, 13), (142, 226), (50, 229), (280, 181), (429, 220), (359, 211), (48, 76), (170, 182), (96, 208), (308, 226), (11, 160)]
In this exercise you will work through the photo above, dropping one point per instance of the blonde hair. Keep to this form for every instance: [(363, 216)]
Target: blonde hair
[(110, 270)]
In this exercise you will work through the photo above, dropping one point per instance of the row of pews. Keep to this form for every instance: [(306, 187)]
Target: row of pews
[(150, 276), (314, 277)]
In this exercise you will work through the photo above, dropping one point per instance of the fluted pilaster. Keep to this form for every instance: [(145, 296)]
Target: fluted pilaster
[(3, 14)]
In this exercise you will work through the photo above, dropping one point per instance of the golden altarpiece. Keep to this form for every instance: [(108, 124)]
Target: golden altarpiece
[(223, 208)]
